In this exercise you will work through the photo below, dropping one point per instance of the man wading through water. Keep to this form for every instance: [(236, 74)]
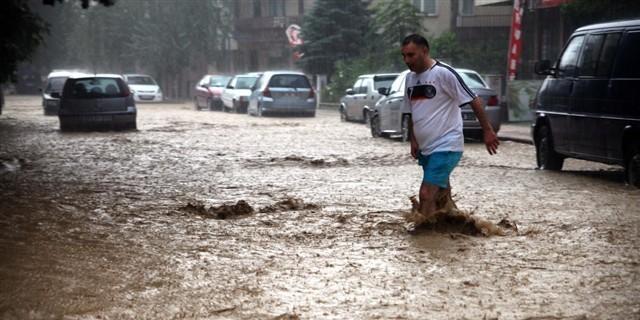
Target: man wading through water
[(434, 94)]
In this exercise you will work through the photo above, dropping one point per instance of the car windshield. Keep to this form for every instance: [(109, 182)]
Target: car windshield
[(91, 88), (140, 80), (471, 80), (245, 82), (289, 81), (383, 81), (218, 81), (55, 84)]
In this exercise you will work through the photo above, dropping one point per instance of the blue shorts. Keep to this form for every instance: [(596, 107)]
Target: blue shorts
[(438, 166)]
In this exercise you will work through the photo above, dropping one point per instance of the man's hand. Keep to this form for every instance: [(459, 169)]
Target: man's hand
[(414, 149), (490, 138), (491, 141)]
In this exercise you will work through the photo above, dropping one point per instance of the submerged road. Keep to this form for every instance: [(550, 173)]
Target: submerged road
[(123, 225)]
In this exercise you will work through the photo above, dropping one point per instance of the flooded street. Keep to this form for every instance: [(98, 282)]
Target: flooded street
[(112, 225)]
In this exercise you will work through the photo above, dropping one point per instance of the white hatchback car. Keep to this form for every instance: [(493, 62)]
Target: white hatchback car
[(235, 96), (143, 87)]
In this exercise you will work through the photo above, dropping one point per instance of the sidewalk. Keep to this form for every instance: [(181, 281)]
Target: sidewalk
[(516, 131)]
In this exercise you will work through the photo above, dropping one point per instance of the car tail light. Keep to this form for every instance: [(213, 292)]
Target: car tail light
[(126, 92), (266, 92), (312, 94), (493, 101)]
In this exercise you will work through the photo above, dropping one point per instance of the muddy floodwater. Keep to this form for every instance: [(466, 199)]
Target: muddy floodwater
[(211, 215)]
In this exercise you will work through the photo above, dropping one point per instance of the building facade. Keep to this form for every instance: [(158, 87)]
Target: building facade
[(259, 41)]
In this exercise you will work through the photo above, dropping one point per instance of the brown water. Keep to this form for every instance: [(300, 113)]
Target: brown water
[(94, 225)]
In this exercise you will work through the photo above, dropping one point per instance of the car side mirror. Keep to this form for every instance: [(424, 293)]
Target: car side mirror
[(55, 95), (383, 91), (229, 87), (349, 92), (543, 67)]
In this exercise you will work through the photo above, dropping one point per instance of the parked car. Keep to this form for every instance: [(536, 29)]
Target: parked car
[(387, 119), (143, 87), (587, 107), (235, 96), (96, 102), (358, 102), (471, 126), (55, 83), (287, 92), (208, 93)]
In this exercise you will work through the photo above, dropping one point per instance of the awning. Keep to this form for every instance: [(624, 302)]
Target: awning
[(492, 2)]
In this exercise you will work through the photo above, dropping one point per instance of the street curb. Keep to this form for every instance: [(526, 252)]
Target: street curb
[(514, 139)]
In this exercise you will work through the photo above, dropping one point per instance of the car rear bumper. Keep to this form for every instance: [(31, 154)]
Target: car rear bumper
[(99, 120), (147, 97), (305, 107), (470, 122)]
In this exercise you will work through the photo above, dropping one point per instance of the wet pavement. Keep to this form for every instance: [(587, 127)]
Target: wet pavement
[(210, 215)]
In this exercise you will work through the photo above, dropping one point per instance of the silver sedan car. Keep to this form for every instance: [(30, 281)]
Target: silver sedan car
[(282, 92), (387, 118)]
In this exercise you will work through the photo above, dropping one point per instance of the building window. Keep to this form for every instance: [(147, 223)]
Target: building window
[(465, 7), (257, 9), (276, 8), (428, 7)]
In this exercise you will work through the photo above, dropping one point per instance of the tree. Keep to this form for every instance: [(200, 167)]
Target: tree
[(392, 21), (21, 32), (334, 30)]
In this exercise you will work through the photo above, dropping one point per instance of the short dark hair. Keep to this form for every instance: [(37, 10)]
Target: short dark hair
[(416, 39)]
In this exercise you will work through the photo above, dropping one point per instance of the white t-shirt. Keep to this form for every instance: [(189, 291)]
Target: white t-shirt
[(433, 98)]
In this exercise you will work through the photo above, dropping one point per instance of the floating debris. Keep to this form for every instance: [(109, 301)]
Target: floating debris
[(289, 204), (220, 212)]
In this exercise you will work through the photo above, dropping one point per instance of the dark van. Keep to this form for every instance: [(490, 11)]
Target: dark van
[(588, 107)]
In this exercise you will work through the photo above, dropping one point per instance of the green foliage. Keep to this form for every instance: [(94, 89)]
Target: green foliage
[(392, 21), (583, 12), (21, 32), (446, 47), (333, 30)]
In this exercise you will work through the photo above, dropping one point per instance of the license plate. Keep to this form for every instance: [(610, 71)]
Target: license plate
[(468, 117)]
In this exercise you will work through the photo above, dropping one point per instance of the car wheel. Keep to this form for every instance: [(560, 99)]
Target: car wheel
[(546, 156), (343, 115), (366, 117), (405, 128), (195, 103), (376, 132), (632, 168)]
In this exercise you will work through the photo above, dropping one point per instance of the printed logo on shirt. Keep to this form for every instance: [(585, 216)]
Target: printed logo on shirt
[(421, 92)]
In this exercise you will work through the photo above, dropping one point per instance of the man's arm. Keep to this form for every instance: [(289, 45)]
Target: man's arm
[(412, 138), (490, 138)]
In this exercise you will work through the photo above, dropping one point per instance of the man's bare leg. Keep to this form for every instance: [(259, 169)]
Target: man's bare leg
[(428, 194)]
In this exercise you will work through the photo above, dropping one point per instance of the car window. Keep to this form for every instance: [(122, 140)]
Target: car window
[(245, 82), (383, 81), (569, 60), (607, 55), (397, 84), (218, 81), (356, 86), (471, 80), (366, 84), (628, 64), (55, 84), (91, 88), (289, 81), (589, 55), (140, 80)]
